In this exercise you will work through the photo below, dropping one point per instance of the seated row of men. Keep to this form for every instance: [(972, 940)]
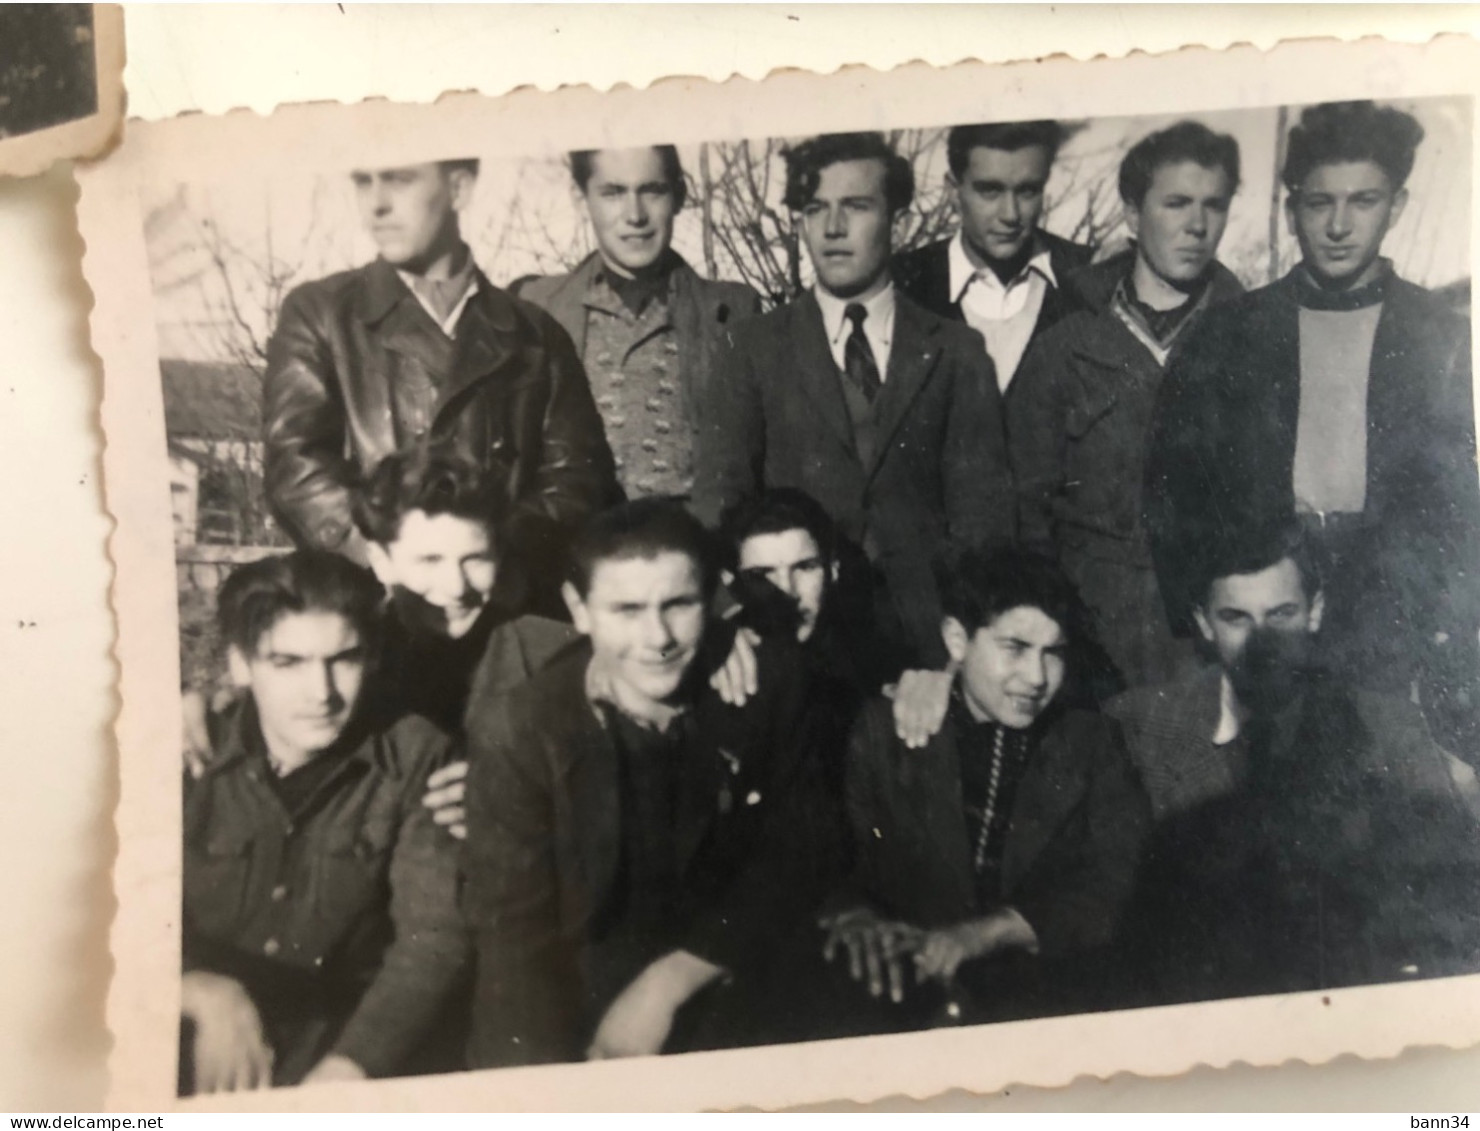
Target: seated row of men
[(991, 387), (693, 822)]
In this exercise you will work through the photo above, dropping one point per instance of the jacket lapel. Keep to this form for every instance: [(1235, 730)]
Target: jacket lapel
[(1044, 798), (912, 359), (930, 783), (485, 340), (592, 790), (567, 303), (815, 369)]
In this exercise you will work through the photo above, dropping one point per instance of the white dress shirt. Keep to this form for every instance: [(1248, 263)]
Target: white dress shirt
[(448, 324), (1003, 313), (878, 327)]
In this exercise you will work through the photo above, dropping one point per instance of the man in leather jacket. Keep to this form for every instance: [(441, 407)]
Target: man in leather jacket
[(419, 348)]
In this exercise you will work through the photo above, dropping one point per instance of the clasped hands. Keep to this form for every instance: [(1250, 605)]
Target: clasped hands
[(880, 950)]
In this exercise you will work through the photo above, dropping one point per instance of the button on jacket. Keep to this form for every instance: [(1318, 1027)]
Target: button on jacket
[(338, 916), (510, 394)]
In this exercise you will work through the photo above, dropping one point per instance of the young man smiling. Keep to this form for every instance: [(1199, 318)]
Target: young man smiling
[(632, 840), (1012, 837), (887, 415), (1078, 425), (1341, 393), (644, 323)]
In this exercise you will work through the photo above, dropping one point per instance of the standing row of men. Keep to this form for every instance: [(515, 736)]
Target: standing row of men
[(646, 852)]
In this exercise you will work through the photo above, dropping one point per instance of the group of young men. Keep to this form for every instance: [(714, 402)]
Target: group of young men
[(986, 633)]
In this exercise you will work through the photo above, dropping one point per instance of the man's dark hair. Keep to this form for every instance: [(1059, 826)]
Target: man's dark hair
[(978, 586), (461, 165), (583, 163), (1256, 548), (1185, 141), (427, 481), (1337, 132), (643, 528), (1007, 136), (806, 161), (776, 511), (259, 593)]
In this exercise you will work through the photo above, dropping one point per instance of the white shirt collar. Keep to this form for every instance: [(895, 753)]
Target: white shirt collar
[(448, 324), (1229, 726), (963, 271), (879, 323)]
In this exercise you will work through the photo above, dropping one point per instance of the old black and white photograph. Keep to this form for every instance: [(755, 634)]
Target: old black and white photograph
[(60, 82), (669, 593)]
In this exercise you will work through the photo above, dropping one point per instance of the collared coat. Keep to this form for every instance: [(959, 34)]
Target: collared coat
[(755, 840), (341, 917), (777, 417), (1079, 822), (1222, 451), (517, 401), (1077, 434), (924, 274), (700, 309)]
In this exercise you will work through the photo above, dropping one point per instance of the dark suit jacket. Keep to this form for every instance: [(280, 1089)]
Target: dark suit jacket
[(544, 829), (1079, 821), (517, 401), (1223, 435), (924, 274), (699, 308), (778, 418)]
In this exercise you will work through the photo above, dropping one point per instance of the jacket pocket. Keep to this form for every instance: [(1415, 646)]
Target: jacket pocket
[(217, 873), (353, 871)]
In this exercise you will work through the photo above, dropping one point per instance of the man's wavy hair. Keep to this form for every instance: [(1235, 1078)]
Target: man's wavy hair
[(429, 481), (1006, 136), (1185, 141), (1338, 132), (257, 595), (583, 164), (806, 161)]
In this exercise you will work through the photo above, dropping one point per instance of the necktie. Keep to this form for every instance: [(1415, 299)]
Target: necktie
[(858, 355)]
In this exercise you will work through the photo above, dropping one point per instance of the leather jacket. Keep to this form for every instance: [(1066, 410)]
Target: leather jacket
[(515, 399)]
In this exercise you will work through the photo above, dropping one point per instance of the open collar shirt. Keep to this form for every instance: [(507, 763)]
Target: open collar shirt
[(1003, 313)]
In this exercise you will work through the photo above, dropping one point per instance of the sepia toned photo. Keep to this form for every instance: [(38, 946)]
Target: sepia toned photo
[(61, 83), (967, 578)]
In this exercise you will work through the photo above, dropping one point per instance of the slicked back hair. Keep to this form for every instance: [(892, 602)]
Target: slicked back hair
[(643, 528), (806, 161), (776, 511), (469, 165), (1185, 141), (257, 595), (427, 481), (583, 164), (1338, 132), (1007, 136)]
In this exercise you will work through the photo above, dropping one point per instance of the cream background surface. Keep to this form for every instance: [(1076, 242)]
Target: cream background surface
[(56, 772)]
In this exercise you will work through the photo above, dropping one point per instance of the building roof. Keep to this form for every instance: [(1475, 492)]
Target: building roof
[(211, 400)]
